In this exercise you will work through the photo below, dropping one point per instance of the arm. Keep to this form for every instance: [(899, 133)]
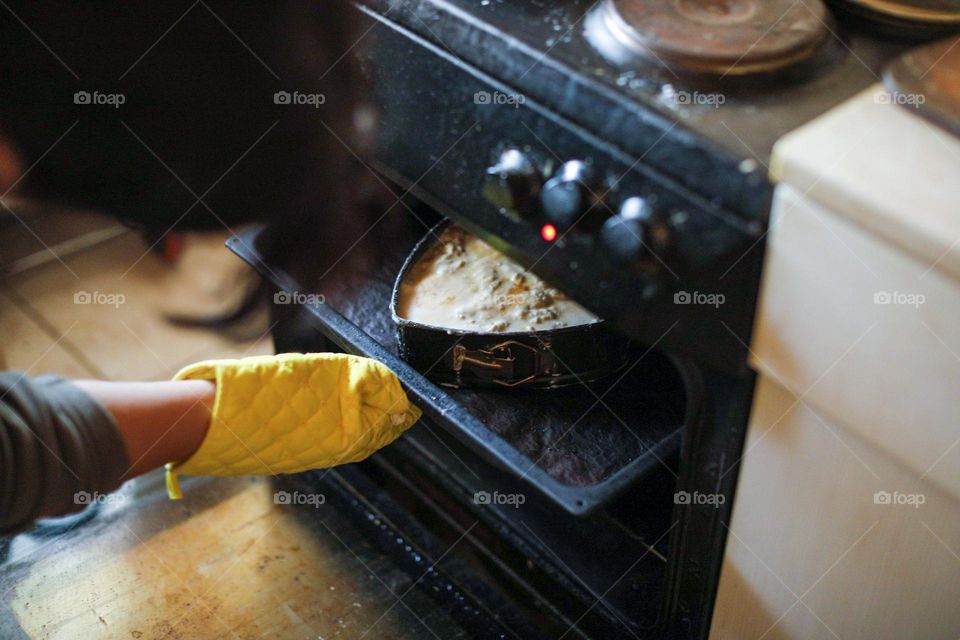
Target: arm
[(262, 415), (159, 422), (59, 439)]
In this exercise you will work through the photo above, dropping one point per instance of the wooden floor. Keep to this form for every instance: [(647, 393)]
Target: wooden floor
[(80, 298)]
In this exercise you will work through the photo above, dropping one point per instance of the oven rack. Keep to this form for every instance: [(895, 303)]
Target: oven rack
[(659, 394)]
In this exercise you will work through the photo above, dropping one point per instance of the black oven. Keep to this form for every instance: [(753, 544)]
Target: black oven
[(597, 510)]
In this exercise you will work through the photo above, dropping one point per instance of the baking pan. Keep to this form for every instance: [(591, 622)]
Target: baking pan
[(545, 359)]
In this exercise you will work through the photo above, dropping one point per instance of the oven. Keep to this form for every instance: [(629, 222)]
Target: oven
[(596, 510)]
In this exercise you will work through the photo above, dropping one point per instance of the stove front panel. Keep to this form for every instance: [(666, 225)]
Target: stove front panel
[(444, 125)]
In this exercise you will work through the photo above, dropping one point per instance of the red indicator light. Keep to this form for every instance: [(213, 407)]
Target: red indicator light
[(548, 232)]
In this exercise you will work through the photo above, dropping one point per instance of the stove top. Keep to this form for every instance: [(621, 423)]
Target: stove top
[(671, 118)]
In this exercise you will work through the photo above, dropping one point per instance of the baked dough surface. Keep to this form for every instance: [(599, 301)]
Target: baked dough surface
[(463, 283)]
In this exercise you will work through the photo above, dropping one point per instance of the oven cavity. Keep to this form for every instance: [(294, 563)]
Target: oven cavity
[(580, 445)]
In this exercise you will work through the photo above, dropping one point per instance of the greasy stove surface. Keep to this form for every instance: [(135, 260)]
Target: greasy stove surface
[(544, 54), (578, 435)]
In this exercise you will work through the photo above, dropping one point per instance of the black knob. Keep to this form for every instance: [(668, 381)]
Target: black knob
[(571, 197), (513, 184), (631, 235)]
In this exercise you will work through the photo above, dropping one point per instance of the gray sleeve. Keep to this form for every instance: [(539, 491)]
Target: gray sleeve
[(55, 441)]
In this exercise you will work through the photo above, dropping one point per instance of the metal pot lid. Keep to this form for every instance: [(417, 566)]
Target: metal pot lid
[(933, 12), (718, 37)]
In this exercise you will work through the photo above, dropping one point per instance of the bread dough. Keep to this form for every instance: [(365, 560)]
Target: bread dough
[(461, 282)]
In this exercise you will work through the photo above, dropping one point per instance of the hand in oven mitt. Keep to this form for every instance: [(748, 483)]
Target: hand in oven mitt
[(293, 412)]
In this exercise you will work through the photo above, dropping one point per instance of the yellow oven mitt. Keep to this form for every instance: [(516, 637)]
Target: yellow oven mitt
[(293, 412)]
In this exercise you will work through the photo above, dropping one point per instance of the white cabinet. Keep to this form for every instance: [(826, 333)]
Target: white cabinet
[(846, 521)]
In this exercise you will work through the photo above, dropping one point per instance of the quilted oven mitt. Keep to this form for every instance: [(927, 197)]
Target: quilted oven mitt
[(293, 412)]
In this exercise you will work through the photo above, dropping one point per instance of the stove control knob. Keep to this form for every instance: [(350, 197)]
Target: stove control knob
[(571, 197), (513, 184), (633, 234)]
